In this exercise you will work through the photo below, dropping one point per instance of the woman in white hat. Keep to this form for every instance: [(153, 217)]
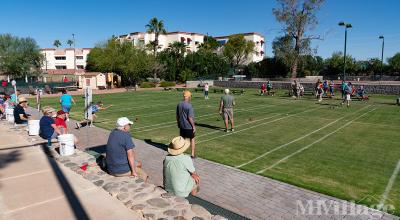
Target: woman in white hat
[(180, 177)]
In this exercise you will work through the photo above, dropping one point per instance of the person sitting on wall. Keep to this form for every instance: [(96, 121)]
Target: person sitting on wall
[(120, 156), (48, 127), (20, 117), (180, 177)]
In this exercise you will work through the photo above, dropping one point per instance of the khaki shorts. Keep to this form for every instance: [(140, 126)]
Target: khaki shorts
[(227, 113)]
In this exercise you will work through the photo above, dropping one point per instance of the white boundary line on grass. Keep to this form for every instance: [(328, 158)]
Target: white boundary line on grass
[(295, 140), (206, 116), (278, 119), (169, 124), (251, 122), (310, 145), (390, 185)]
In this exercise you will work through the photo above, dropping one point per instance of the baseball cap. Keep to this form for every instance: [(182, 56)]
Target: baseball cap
[(123, 121)]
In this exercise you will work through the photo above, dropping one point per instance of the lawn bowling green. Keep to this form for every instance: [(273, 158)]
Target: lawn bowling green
[(350, 153)]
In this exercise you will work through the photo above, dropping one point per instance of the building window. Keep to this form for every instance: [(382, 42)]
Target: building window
[(61, 67), (79, 57), (61, 58), (80, 67)]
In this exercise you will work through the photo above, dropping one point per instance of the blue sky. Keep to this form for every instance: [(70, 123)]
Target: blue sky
[(94, 21)]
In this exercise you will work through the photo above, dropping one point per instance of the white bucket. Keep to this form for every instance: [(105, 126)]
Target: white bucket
[(33, 127), (10, 115), (66, 142)]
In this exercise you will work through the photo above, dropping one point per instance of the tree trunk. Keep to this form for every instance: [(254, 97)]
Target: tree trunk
[(293, 68)]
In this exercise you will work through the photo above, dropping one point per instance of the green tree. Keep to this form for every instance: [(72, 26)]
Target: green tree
[(157, 27), (237, 50), (298, 17), (311, 65), (19, 56), (209, 43), (206, 63), (70, 42), (131, 63), (334, 65), (394, 63), (57, 43)]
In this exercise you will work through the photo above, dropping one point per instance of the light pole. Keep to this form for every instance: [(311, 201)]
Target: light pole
[(73, 39), (346, 25), (383, 46)]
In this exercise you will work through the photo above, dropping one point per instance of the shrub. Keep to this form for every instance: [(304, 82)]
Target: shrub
[(167, 84), (148, 85)]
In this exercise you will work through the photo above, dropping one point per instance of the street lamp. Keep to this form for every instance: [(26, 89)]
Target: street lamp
[(346, 25), (383, 46)]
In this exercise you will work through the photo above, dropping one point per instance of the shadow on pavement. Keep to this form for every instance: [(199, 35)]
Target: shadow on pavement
[(157, 145), (69, 193)]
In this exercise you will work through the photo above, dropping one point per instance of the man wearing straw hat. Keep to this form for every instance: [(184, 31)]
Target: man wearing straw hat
[(226, 109), (180, 177), (120, 157), (185, 120), (20, 117), (48, 127)]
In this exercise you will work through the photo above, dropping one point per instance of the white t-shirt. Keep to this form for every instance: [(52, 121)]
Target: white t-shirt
[(206, 87)]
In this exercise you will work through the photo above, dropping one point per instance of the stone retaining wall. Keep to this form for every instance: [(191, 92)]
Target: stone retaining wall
[(150, 201), (386, 89)]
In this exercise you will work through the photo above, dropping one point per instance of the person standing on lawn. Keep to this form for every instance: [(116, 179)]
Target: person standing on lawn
[(226, 109), (66, 101), (185, 120), (206, 88), (348, 92), (269, 88)]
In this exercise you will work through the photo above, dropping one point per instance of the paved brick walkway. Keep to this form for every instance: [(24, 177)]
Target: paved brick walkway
[(247, 194)]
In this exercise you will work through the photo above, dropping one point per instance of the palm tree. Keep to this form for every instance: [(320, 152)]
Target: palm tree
[(57, 43), (157, 27), (70, 42), (178, 48)]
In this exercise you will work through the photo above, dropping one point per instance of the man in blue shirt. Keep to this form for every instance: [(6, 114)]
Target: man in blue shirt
[(185, 120), (14, 96), (66, 101), (120, 157), (95, 108)]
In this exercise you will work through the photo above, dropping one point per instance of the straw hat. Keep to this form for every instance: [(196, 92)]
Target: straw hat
[(48, 110), (178, 145), (226, 91), (22, 99), (187, 93)]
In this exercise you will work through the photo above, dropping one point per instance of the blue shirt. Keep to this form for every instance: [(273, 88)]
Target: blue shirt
[(116, 156), (66, 100), (13, 98), (184, 111), (95, 109), (46, 131)]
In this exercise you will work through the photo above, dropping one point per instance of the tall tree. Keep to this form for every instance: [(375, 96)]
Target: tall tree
[(157, 27), (57, 43), (237, 50), (70, 42), (334, 64), (394, 62), (298, 17), (209, 43), (19, 56)]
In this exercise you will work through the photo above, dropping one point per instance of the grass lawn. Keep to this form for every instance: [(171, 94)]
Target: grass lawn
[(349, 153)]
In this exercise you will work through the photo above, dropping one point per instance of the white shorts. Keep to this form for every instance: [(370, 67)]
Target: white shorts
[(348, 97)]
